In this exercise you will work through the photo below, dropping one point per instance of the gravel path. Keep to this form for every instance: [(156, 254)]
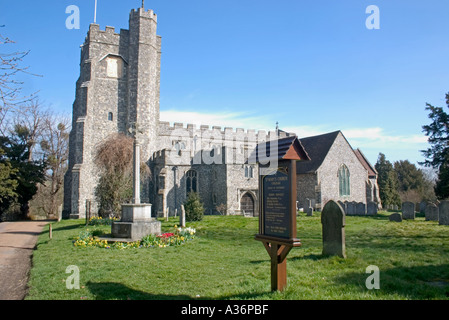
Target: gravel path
[(17, 242)]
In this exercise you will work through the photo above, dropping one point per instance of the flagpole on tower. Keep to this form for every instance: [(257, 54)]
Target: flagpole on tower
[(95, 12), (143, 3)]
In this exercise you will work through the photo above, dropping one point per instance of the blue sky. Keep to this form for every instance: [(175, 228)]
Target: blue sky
[(311, 65)]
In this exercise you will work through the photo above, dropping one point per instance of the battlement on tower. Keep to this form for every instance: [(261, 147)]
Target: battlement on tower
[(216, 132), (106, 36), (141, 12)]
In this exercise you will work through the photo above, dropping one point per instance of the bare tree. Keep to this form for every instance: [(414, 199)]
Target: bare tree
[(32, 116), (11, 96), (55, 147), (114, 159)]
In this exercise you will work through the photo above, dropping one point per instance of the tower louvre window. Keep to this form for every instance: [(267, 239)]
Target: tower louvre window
[(114, 68), (110, 116)]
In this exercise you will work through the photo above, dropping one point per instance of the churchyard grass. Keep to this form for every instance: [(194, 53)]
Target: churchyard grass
[(225, 262)]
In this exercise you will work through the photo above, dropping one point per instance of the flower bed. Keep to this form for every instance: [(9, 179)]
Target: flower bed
[(176, 238)]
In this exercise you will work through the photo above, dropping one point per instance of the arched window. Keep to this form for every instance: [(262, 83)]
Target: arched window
[(110, 116), (191, 181), (343, 181)]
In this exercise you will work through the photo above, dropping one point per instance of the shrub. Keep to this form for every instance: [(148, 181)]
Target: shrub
[(194, 207), (99, 221)]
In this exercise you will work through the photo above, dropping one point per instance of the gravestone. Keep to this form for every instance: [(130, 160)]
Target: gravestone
[(333, 226), (309, 208), (371, 208), (360, 209), (182, 217), (350, 208), (422, 206), (431, 212), (443, 213), (395, 217), (408, 210), (309, 211)]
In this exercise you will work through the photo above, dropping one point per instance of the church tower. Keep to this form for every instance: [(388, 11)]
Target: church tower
[(118, 87)]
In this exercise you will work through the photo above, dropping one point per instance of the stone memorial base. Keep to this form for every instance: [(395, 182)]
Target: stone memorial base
[(136, 223)]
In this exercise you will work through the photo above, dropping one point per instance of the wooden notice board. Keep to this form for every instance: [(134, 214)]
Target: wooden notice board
[(276, 201), (277, 217)]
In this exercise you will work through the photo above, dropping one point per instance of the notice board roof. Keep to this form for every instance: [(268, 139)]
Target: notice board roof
[(289, 148)]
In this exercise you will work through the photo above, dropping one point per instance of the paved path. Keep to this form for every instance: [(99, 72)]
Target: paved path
[(17, 241)]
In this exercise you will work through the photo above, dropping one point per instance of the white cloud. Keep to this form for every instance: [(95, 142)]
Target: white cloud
[(378, 136), (223, 119)]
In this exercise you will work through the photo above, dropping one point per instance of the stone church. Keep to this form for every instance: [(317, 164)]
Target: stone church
[(335, 172), (119, 88)]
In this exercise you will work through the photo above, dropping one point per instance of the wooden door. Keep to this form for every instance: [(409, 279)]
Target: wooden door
[(247, 205)]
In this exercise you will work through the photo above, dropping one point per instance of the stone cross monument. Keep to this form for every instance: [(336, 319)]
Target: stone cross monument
[(136, 219), (136, 163)]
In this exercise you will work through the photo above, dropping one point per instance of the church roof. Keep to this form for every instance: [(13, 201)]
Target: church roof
[(317, 148), (371, 170)]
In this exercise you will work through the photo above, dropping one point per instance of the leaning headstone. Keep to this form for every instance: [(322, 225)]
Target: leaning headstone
[(371, 208), (60, 212), (309, 203), (350, 208), (431, 212), (182, 217), (360, 209), (408, 210), (395, 217), (309, 211), (443, 213), (422, 206), (333, 226)]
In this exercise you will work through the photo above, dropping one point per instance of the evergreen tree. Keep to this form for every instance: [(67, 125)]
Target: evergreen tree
[(437, 156), (409, 176), (442, 185), (27, 173), (8, 185), (387, 181), (194, 207)]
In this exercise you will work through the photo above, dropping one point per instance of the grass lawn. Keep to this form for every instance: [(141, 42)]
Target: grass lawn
[(225, 262)]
